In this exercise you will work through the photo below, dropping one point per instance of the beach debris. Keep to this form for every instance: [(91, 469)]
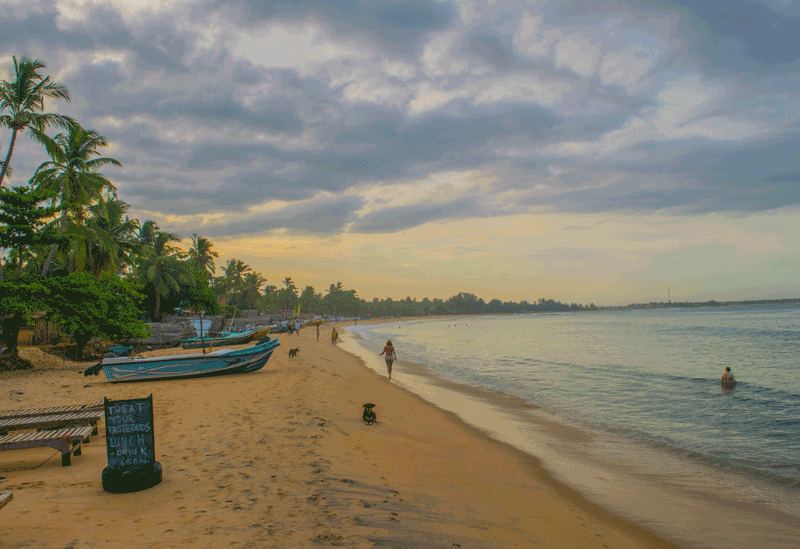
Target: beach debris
[(369, 415)]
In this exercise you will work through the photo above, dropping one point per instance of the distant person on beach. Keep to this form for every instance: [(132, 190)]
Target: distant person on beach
[(334, 336), (317, 332), (727, 378), (390, 356)]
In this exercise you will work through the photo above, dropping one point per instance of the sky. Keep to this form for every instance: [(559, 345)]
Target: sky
[(584, 151)]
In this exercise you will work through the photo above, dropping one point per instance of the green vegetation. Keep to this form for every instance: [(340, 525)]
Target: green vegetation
[(72, 252), (86, 306)]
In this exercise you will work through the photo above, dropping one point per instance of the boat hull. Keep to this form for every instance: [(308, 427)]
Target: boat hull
[(236, 339), (224, 362)]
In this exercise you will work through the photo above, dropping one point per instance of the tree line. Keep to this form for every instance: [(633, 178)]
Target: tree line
[(74, 253)]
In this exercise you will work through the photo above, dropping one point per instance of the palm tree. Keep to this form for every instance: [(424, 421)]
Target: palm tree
[(233, 279), (161, 267), (113, 236), (308, 300), (202, 255), (234, 273), (148, 232), (289, 295), (24, 101), (72, 176), (251, 290)]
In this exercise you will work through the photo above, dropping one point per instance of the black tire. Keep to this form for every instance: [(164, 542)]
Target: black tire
[(117, 483)]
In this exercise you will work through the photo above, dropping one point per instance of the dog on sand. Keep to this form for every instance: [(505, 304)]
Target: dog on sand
[(293, 353), (369, 416)]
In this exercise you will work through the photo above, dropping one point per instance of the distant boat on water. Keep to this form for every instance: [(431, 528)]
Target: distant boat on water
[(215, 363)]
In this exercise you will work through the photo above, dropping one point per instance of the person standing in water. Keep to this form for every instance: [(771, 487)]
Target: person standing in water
[(390, 356), (727, 378)]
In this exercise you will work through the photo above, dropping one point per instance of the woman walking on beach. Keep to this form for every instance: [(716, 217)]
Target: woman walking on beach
[(334, 336), (390, 356)]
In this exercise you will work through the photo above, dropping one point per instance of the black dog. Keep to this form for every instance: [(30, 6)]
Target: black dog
[(293, 353), (369, 416)]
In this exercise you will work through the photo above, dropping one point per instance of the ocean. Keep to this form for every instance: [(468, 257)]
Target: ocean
[(626, 407)]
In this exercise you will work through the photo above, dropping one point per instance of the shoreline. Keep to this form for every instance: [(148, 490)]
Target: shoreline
[(538, 470), (691, 513), (281, 458)]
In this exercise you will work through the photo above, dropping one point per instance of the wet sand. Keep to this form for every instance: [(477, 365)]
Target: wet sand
[(281, 458)]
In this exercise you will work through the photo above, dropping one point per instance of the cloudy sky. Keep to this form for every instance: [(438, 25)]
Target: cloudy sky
[(586, 151)]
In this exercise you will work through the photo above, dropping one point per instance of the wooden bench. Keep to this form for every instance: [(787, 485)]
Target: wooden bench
[(55, 421), (5, 497), (31, 412), (67, 441)]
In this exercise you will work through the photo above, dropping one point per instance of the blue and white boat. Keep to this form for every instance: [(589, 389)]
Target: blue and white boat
[(215, 363), (226, 338)]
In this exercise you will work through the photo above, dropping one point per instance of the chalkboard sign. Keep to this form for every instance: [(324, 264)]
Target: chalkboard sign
[(130, 441)]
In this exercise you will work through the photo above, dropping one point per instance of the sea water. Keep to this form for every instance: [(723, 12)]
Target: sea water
[(626, 407)]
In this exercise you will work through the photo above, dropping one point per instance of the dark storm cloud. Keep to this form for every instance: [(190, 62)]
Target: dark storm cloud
[(490, 48), (391, 220), (18, 30), (744, 35), (321, 216), (402, 148), (160, 46), (398, 25), (707, 177), (394, 148), (246, 74), (253, 132)]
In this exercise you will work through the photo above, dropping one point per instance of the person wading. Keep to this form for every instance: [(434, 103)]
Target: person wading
[(390, 356)]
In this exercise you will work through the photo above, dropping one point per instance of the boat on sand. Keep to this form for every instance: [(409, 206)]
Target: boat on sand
[(215, 363), (228, 338)]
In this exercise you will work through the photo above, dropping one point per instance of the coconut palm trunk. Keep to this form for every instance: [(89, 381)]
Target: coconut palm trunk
[(8, 156), (53, 247), (158, 305)]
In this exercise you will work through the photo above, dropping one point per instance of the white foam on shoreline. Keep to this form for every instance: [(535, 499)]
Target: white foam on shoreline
[(676, 498)]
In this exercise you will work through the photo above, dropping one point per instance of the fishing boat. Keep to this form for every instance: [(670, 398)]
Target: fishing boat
[(215, 363), (226, 338)]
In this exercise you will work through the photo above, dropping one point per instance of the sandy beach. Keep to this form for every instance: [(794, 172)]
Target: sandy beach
[(281, 458)]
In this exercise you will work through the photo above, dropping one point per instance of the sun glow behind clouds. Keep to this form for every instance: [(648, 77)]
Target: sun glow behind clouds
[(601, 258)]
